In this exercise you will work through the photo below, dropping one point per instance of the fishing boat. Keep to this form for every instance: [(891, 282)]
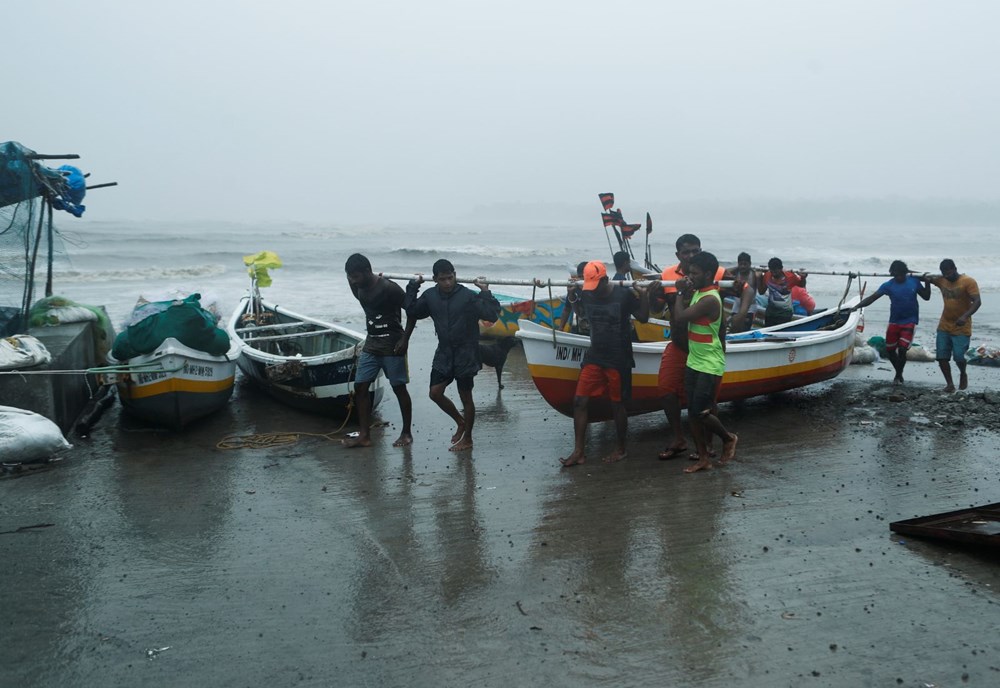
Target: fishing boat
[(301, 361), (547, 312), (175, 384), (796, 354), (171, 364)]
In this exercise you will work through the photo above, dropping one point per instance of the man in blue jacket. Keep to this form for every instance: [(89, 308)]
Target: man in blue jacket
[(456, 312)]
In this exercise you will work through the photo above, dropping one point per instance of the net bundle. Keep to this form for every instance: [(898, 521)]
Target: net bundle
[(29, 192)]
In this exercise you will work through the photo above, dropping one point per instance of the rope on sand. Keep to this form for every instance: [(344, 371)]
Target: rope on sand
[(278, 439), (271, 439)]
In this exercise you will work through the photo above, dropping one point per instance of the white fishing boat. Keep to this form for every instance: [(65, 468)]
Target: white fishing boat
[(172, 365), (176, 384), (796, 354), (301, 361)]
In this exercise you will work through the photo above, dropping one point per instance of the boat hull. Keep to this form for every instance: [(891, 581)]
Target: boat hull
[(541, 311), (753, 367), (320, 383), (190, 386)]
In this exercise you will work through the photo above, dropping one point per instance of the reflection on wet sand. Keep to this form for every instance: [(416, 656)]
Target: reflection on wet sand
[(639, 581)]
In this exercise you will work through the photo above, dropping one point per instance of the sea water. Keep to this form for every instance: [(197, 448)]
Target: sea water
[(113, 263)]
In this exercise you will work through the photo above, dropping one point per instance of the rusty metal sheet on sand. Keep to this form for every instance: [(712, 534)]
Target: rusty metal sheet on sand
[(979, 525)]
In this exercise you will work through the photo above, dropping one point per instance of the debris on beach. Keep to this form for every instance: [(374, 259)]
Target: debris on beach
[(153, 652)]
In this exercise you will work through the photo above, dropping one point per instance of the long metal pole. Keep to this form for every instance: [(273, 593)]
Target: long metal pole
[(540, 282), (48, 277), (850, 274)]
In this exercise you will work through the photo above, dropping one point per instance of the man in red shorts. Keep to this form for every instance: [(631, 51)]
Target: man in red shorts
[(606, 369), (674, 362), (903, 290)]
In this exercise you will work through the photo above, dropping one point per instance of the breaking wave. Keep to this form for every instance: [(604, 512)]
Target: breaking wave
[(145, 273), (495, 252)]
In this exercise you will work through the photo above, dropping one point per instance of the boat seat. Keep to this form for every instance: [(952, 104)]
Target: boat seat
[(284, 337)]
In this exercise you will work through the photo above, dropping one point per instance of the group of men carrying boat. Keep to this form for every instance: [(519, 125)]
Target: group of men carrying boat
[(692, 364)]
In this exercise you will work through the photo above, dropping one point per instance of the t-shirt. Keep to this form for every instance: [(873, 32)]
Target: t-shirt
[(903, 308), (957, 297), (674, 273), (383, 304), (779, 291), (610, 328)]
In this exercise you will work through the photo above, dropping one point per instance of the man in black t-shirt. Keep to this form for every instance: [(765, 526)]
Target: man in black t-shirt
[(607, 364), (385, 347)]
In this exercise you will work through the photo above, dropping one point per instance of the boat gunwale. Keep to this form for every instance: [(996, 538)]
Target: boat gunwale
[(536, 332), (256, 354), (173, 347)]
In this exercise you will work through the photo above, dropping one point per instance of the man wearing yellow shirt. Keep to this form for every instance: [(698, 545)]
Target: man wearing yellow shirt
[(961, 300)]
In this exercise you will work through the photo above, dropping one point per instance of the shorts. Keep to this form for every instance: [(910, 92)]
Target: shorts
[(596, 381), (900, 335), (702, 391), (465, 384), (395, 369), (670, 379), (952, 346)]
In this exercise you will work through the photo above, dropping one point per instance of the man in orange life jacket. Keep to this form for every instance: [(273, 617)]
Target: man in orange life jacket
[(674, 361)]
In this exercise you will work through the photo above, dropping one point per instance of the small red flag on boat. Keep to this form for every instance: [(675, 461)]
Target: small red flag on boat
[(607, 200), (629, 230), (608, 219), (649, 224), (616, 218)]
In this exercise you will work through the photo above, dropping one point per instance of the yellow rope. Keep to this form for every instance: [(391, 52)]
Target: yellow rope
[(278, 439), (269, 440)]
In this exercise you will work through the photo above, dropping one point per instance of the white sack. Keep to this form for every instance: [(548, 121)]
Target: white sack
[(28, 436)]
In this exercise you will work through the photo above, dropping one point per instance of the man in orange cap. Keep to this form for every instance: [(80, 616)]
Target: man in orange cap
[(606, 369)]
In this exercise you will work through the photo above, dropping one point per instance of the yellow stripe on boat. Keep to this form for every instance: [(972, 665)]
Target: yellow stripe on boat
[(179, 385)]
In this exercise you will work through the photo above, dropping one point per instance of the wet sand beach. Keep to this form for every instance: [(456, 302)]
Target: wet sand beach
[(308, 564)]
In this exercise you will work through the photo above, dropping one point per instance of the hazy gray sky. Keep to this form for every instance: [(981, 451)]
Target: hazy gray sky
[(377, 111)]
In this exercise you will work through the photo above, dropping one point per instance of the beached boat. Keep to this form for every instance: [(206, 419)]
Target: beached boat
[(173, 364), (301, 361), (763, 361), (176, 384)]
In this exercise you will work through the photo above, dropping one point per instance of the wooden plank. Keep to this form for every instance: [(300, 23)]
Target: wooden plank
[(284, 337), (279, 326)]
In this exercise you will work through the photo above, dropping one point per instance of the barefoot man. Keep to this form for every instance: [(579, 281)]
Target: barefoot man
[(673, 363), (961, 299), (456, 312), (904, 312), (385, 347), (706, 360), (607, 364)]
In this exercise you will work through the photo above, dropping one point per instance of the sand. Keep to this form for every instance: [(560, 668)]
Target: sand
[(307, 564)]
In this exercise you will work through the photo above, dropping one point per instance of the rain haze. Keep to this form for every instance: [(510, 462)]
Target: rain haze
[(375, 111)]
